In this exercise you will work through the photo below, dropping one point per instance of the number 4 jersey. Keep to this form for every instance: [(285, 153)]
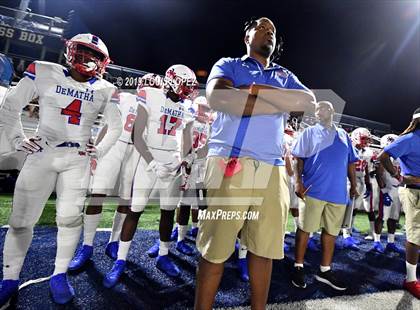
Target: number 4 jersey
[(166, 119), (67, 108)]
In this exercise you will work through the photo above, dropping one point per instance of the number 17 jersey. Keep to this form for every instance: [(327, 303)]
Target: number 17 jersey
[(166, 119)]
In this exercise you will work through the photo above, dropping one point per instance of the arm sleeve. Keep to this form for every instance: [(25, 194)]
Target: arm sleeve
[(303, 145), (112, 117), (294, 83), (11, 109), (142, 99), (399, 147), (223, 69)]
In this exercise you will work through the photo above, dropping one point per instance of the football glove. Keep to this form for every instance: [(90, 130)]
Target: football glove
[(161, 170), (91, 150), (387, 200), (28, 145)]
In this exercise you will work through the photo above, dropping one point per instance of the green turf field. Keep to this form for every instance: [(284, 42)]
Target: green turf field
[(149, 220)]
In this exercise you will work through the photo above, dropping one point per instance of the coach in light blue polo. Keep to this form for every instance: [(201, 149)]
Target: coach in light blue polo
[(245, 171), (259, 137), (407, 150), (325, 158)]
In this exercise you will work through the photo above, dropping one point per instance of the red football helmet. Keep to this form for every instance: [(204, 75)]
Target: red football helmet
[(182, 81), (87, 54)]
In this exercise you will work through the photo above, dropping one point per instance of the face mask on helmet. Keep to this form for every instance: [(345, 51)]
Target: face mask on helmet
[(87, 55), (289, 131), (181, 81)]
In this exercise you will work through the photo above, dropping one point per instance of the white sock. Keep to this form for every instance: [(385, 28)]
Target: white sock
[(194, 224), (91, 223), (298, 265), (352, 220), (117, 225), (346, 233), (411, 272), (324, 268), (296, 222), (372, 228), (311, 235), (16, 245), (123, 248), (164, 247), (182, 232), (376, 237), (67, 239), (391, 238), (243, 250)]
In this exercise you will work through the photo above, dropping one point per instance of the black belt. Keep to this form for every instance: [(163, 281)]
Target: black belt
[(68, 144), (412, 186), (125, 141)]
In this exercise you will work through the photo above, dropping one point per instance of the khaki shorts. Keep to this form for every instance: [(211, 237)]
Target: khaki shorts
[(315, 214), (258, 187), (410, 200)]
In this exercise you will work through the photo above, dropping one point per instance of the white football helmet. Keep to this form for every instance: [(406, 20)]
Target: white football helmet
[(150, 80), (361, 137), (388, 139), (182, 81), (201, 109), (87, 54)]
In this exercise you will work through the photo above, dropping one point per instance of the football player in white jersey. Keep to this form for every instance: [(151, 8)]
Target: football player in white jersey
[(70, 100), (162, 131), (390, 206), (120, 162), (193, 177), (361, 138)]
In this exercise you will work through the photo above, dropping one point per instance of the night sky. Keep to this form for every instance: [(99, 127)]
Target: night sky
[(368, 52)]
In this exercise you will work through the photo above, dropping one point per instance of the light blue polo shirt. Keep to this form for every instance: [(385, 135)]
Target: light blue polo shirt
[(407, 149), (326, 153), (260, 136)]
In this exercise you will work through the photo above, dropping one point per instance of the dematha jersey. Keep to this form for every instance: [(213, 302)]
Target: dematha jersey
[(391, 183), (128, 108), (364, 162), (67, 108), (166, 119)]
